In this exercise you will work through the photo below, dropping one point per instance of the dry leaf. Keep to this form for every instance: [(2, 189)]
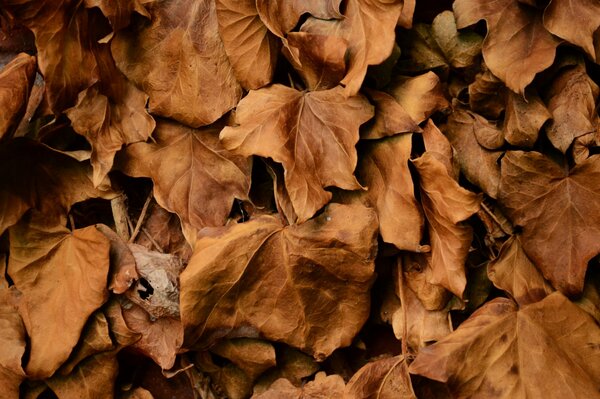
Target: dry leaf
[(323, 386), (524, 119), (12, 343), (557, 209), (505, 352), (460, 48), (179, 60), (312, 134), (385, 378), (123, 269), (119, 12), (16, 81), (487, 94), (438, 146), (390, 117), (266, 284), (252, 356)]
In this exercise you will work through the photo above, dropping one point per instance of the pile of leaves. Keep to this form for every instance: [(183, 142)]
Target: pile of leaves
[(287, 198)]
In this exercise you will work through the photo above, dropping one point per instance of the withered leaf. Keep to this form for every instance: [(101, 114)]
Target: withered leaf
[(418, 275), (323, 386), (179, 60), (524, 119), (513, 272), (384, 170), (405, 19), (488, 135), (251, 48), (265, 283), (281, 16), (312, 134), (35, 176), (119, 12), (193, 175), (575, 21), (368, 26), (558, 210), (123, 269), (421, 50), (438, 145), (16, 81), (478, 164), (385, 378), (486, 94), (390, 117), (446, 205), (252, 356), (572, 103), (12, 343), (63, 277), (517, 46), (459, 48), (505, 352)]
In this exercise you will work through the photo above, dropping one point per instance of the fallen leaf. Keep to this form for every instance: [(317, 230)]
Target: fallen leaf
[(179, 60), (281, 16), (16, 81), (119, 12), (418, 276), (368, 27), (292, 365), (405, 18), (123, 270), (446, 204), (421, 51), (252, 356), (517, 46), (335, 248), (390, 117), (557, 209), (137, 393), (439, 147), (502, 351), (312, 134), (12, 342), (385, 378), (323, 386), (63, 277), (487, 94), (524, 119), (460, 48), (251, 48), (488, 135), (513, 272), (193, 175)]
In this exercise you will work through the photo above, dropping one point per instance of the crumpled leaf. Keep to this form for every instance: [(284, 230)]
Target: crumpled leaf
[(252, 356), (502, 351), (524, 119), (119, 12), (368, 26), (575, 21), (517, 46), (572, 103), (281, 16), (446, 205), (12, 343), (460, 48), (312, 134), (385, 378), (179, 60), (418, 275), (63, 277), (265, 283), (513, 272), (123, 271), (384, 170), (323, 386), (109, 114), (390, 117), (251, 48), (35, 176), (193, 175), (16, 81), (479, 165), (558, 210)]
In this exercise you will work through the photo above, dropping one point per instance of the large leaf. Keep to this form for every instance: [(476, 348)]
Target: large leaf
[(559, 210), (179, 61), (193, 175), (16, 80), (63, 277), (312, 134), (258, 278), (517, 46), (542, 350)]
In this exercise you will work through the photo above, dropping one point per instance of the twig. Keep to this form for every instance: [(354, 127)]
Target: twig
[(494, 218), (119, 211), (149, 237), (138, 225), (71, 222)]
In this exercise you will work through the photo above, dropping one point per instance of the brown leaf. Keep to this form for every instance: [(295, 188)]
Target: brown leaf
[(418, 275), (390, 117), (513, 272), (312, 134), (323, 386), (460, 48), (420, 96), (194, 176), (384, 170), (406, 16), (575, 21), (438, 146), (12, 343), (385, 378), (558, 210), (119, 12), (572, 103), (421, 51), (122, 335), (281, 16), (252, 356), (16, 81), (251, 48), (137, 393), (505, 352), (368, 26), (487, 94), (123, 269), (480, 166), (524, 119), (292, 365), (336, 248), (488, 135), (109, 114), (446, 205), (178, 59), (517, 46), (35, 176), (62, 276)]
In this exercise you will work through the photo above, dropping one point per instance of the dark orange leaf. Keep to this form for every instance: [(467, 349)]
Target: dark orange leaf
[(16, 81)]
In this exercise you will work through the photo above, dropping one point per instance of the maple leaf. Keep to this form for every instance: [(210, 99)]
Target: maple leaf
[(39, 259), (503, 351), (179, 60), (193, 175), (517, 46), (265, 284), (557, 209), (312, 134), (16, 81)]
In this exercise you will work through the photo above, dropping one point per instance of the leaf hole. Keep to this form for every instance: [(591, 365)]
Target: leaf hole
[(145, 290)]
